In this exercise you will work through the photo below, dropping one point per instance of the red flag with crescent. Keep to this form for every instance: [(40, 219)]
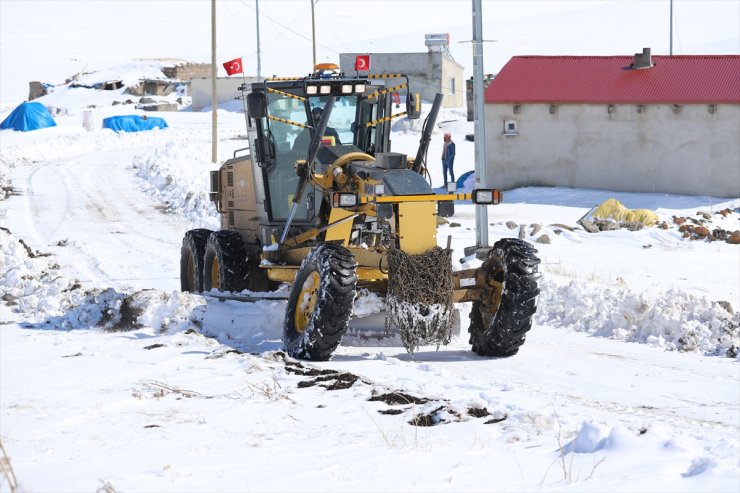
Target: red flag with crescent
[(234, 66), (362, 63)]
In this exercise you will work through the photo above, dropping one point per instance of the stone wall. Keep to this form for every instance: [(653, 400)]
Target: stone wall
[(187, 71)]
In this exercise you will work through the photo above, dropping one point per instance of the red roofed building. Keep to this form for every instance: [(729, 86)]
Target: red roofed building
[(640, 124)]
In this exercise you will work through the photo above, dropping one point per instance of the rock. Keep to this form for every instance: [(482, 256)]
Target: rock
[(734, 238), (684, 228), (605, 225), (535, 229), (705, 215), (544, 239), (695, 221), (441, 220), (633, 225), (663, 225), (455, 225), (727, 306), (679, 220), (563, 226), (720, 234), (725, 212), (588, 226), (146, 100), (511, 224), (521, 232), (702, 231)]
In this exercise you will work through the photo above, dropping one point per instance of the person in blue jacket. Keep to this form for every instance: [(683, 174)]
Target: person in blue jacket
[(448, 157)]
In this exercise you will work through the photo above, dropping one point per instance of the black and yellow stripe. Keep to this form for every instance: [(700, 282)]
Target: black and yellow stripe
[(385, 76), (384, 119), (386, 91), (395, 199), (286, 94), (289, 122), (275, 79)]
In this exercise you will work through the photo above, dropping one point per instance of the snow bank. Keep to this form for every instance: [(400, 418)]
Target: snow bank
[(673, 320), (177, 176)]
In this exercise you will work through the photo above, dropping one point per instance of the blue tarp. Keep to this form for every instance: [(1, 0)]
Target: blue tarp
[(28, 116), (133, 123), (461, 181)]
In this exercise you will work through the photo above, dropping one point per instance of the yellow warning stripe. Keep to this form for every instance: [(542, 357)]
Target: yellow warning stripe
[(270, 79), (386, 91), (286, 94), (415, 198), (384, 119), (385, 76), (289, 122)]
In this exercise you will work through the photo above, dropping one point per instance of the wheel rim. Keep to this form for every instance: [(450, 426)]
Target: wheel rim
[(306, 301), (215, 273)]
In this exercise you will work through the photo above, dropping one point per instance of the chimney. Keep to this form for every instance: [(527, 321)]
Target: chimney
[(642, 60)]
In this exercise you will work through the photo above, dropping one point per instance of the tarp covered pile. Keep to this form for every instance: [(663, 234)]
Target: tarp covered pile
[(28, 116), (133, 123)]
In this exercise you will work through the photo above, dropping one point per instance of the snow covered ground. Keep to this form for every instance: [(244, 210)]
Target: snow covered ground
[(112, 378)]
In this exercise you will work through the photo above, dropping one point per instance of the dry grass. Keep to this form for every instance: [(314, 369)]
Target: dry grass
[(6, 469)]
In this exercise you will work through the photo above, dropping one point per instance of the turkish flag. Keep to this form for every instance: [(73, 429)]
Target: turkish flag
[(362, 63), (234, 66)]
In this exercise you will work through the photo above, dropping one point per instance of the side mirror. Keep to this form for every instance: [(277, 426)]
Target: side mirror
[(413, 106), (257, 105)]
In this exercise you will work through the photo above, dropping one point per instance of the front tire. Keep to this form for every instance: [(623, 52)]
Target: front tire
[(192, 255), (498, 324), (320, 303), (225, 262)]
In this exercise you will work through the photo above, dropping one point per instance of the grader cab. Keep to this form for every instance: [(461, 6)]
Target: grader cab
[(320, 201)]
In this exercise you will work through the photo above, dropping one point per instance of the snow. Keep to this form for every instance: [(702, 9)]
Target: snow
[(627, 380)]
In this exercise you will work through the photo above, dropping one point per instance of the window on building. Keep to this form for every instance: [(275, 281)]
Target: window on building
[(510, 127), (451, 87)]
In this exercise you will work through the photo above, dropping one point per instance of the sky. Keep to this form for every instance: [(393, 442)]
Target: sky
[(67, 38), (627, 381)]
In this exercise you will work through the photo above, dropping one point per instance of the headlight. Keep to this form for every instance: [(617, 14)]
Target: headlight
[(359, 88), (342, 199), (312, 90), (487, 196), (325, 89), (346, 88)]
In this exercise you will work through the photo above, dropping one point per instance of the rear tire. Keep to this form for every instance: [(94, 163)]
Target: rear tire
[(258, 280), (498, 327), (192, 254), (320, 303), (225, 262)]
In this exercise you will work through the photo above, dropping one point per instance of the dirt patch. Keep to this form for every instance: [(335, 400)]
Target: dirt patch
[(333, 381), (478, 412), (398, 398)]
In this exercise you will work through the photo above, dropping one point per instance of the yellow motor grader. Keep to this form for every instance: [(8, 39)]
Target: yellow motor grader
[(320, 201)]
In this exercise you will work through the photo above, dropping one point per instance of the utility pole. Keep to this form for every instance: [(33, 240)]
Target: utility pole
[(214, 98), (259, 64), (670, 52), (481, 211), (313, 34)]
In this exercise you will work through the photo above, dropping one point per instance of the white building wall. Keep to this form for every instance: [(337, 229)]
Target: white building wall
[(227, 89), (682, 150), (429, 72)]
